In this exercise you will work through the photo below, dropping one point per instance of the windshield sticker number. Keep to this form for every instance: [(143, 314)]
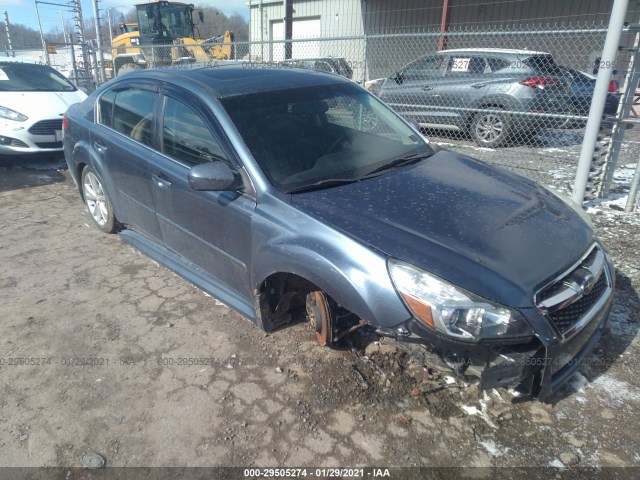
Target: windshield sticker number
[(3, 75), (460, 64)]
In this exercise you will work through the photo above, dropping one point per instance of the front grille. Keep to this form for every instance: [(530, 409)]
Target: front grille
[(49, 144), (567, 317), (567, 300), (46, 127)]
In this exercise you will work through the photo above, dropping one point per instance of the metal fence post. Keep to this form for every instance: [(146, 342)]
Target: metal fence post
[(624, 108), (609, 52), (633, 190)]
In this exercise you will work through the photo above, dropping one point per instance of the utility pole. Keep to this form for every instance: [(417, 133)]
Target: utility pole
[(77, 8), (96, 20), (6, 26)]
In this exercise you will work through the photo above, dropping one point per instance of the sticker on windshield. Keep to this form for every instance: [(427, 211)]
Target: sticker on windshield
[(460, 64), (3, 76)]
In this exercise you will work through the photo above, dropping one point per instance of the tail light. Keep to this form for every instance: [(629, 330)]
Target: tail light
[(65, 122), (540, 82), (613, 87)]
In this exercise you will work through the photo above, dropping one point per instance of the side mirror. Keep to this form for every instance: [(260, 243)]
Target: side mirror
[(399, 78), (214, 176), (201, 16)]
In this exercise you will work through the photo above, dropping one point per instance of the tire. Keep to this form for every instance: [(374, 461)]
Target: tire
[(129, 67), (97, 201), (489, 129), (569, 122)]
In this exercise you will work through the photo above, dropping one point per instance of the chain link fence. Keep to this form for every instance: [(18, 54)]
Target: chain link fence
[(524, 89)]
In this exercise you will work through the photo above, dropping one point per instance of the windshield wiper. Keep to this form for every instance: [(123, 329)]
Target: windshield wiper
[(399, 162), (329, 182)]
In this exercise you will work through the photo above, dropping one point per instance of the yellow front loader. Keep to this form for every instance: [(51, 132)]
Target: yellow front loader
[(164, 36)]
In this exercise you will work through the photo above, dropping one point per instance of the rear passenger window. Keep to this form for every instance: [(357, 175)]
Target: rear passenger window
[(105, 108), (497, 64), (186, 137), (133, 113)]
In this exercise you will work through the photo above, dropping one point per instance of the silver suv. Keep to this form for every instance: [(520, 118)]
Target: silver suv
[(493, 94)]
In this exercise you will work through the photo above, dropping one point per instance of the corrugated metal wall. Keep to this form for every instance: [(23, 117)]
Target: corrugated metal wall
[(338, 18), (382, 16), (473, 23)]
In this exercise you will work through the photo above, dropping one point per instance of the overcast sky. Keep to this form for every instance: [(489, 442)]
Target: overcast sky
[(24, 12)]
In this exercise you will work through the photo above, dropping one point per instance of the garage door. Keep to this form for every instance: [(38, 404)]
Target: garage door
[(302, 28)]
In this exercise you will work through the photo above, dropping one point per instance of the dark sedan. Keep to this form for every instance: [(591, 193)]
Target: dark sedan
[(284, 189), (582, 88)]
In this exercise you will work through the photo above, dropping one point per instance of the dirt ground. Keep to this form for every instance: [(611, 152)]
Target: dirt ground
[(102, 350)]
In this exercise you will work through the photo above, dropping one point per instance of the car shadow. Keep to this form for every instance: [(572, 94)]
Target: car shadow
[(27, 171), (619, 334)]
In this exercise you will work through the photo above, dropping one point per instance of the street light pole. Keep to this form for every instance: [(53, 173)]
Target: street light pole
[(64, 33), (44, 43)]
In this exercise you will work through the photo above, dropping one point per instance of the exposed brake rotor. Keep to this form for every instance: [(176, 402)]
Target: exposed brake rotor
[(322, 316)]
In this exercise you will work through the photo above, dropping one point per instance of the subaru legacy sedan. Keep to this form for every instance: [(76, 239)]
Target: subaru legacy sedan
[(270, 191)]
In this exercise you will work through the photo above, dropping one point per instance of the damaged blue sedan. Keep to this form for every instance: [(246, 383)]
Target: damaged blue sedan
[(278, 190)]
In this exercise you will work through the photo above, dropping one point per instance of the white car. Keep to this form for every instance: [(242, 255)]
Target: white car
[(33, 99)]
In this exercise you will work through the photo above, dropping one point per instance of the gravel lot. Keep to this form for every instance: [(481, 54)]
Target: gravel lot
[(127, 360)]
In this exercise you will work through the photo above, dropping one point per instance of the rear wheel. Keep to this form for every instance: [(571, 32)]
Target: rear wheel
[(97, 201), (491, 129)]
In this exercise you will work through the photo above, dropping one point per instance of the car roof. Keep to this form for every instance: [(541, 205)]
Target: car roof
[(240, 79), (495, 50)]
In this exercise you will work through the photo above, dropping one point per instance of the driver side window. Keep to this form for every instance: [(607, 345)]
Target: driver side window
[(186, 137), (427, 67)]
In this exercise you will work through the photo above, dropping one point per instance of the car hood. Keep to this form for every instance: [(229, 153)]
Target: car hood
[(41, 105), (486, 230)]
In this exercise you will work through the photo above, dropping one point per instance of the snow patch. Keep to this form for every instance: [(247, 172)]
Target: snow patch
[(481, 412), (620, 391), (556, 464), (494, 449), (578, 382)]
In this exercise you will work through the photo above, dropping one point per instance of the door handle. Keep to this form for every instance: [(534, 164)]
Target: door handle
[(161, 181), (427, 88), (99, 147), (479, 85)]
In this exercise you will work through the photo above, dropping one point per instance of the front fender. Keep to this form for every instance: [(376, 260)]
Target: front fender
[(355, 276)]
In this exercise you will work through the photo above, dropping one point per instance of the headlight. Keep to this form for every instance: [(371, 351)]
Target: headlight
[(12, 115), (451, 310)]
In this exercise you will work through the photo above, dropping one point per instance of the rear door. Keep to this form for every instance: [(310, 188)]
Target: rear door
[(462, 89), (211, 229), (122, 141)]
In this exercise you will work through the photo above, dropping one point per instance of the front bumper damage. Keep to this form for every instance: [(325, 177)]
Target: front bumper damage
[(537, 366)]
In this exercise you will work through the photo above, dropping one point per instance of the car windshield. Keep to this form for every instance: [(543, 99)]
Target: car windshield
[(316, 137), (25, 77)]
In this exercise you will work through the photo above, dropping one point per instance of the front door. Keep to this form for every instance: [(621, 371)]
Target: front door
[(211, 229)]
